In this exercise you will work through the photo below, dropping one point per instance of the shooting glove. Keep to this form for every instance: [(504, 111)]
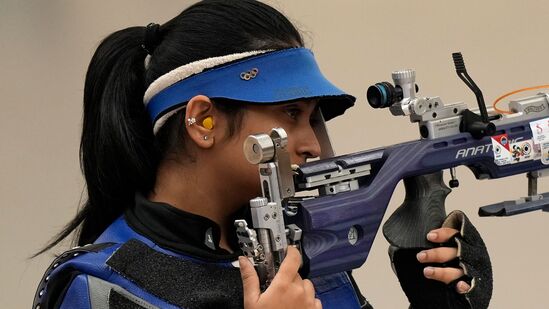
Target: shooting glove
[(472, 257)]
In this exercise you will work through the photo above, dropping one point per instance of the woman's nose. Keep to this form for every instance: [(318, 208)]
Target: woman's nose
[(308, 146)]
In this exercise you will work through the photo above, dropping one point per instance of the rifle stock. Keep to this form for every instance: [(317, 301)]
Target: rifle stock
[(327, 220)]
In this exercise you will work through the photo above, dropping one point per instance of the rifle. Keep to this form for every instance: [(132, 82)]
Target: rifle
[(335, 228)]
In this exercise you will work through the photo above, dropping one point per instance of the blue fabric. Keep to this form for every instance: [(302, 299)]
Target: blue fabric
[(334, 291), (285, 75), (93, 264), (77, 295)]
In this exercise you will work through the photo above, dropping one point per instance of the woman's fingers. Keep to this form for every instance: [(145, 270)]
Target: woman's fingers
[(441, 235), (287, 290), (250, 281), (289, 267), (443, 274), (437, 255), (309, 287), (442, 255), (462, 287)]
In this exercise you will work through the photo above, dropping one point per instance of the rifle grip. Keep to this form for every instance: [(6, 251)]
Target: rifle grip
[(423, 210)]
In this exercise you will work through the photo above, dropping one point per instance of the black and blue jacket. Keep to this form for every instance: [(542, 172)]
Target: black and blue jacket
[(157, 256)]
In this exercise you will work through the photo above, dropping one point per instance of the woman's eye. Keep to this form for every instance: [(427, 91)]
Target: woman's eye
[(293, 113)]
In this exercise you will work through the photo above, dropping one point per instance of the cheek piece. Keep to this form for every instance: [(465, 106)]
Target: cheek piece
[(260, 77), (472, 257)]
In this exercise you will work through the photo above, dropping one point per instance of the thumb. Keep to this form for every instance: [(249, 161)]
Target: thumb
[(250, 281)]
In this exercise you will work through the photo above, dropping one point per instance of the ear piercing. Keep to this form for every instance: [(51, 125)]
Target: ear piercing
[(207, 123), (191, 121)]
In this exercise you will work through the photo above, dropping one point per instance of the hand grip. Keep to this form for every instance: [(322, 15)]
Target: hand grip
[(422, 211)]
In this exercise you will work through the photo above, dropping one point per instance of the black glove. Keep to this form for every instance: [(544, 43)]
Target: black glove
[(472, 257)]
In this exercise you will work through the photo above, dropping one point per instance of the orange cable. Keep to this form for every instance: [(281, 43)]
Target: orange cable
[(511, 93)]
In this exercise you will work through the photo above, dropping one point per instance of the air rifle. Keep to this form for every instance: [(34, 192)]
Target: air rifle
[(335, 228)]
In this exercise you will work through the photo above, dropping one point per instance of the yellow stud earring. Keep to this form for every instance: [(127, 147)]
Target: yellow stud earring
[(208, 123)]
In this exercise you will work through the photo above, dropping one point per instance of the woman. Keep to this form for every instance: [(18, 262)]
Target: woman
[(166, 111)]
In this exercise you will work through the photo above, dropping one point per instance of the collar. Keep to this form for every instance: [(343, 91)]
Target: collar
[(178, 230)]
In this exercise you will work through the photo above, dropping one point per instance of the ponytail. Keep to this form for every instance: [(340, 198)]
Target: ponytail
[(117, 153)]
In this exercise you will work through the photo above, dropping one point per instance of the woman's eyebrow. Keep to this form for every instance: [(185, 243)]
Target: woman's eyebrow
[(305, 102), (293, 104), (302, 105)]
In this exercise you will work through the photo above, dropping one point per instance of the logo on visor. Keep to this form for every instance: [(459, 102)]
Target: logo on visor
[(249, 74)]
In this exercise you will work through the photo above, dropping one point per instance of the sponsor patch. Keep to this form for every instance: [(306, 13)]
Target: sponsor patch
[(500, 146), (540, 139), (522, 151), (540, 130), (507, 152)]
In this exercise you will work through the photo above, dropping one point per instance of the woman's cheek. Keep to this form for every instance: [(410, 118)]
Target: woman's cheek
[(246, 178)]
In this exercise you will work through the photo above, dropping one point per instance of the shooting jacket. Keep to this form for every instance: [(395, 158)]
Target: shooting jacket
[(157, 256)]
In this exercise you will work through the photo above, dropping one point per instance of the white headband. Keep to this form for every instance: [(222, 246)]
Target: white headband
[(185, 71)]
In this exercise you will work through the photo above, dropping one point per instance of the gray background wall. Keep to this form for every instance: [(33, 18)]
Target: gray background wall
[(45, 47)]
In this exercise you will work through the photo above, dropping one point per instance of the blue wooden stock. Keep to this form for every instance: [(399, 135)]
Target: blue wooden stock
[(326, 220)]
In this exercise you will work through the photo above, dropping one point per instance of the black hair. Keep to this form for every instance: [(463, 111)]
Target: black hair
[(118, 152)]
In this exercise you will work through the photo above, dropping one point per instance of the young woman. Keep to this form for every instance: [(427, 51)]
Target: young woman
[(166, 112)]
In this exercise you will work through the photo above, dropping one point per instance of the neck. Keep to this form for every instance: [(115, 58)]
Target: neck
[(185, 188)]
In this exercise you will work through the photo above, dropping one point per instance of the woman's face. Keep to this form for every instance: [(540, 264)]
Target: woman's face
[(296, 118)]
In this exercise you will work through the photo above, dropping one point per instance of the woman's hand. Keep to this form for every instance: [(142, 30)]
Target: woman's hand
[(442, 255), (287, 289)]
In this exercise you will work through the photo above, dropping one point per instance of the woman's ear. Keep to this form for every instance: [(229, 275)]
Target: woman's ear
[(200, 117)]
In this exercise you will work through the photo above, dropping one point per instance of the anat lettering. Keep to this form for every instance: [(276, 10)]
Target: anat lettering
[(482, 149)]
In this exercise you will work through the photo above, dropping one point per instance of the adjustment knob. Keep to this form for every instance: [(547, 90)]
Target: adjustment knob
[(258, 202), (406, 80), (408, 74)]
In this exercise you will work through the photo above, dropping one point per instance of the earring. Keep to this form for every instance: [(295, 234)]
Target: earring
[(191, 121), (205, 137), (208, 123)]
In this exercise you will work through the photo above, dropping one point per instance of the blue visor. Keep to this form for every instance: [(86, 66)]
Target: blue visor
[(274, 77)]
